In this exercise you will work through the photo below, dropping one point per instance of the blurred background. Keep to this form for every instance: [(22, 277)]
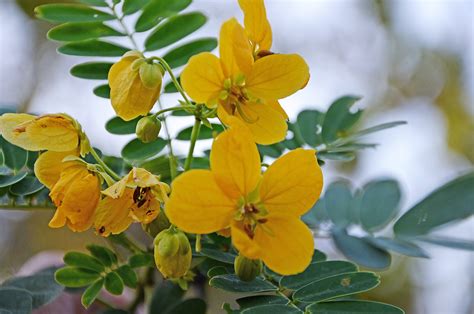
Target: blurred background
[(409, 59)]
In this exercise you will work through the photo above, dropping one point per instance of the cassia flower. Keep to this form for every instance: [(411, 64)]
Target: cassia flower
[(76, 195), (134, 85), (136, 197), (257, 27), (262, 211)]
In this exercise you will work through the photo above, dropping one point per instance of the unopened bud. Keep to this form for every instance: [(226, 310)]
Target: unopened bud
[(151, 75), (172, 253), (148, 128), (247, 269)]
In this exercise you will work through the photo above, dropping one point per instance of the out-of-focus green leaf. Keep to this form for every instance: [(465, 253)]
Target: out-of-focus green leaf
[(218, 255), (339, 118), (165, 296), (259, 300), (14, 157), (29, 185), (353, 307), (97, 3), (92, 70), (102, 91), (451, 202), (219, 270), (82, 260), (7, 180), (171, 88), (93, 48), (137, 150), (205, 133), (77, 31), (128, 276), (448, 242), (360, 251), (180, 55), (15, 301), (156, 10), (310, 125), (195, 306), (398, 245), (337, 286), (141, 260), (274, 309), (91, 293), (174, 29), (232, 283), (120, 127), (317, 214), (75, 277), (337, 156), (61, 12), (103, 254), (132, 6), (159, 166), (318, 256), (113, 283), (338, 203)]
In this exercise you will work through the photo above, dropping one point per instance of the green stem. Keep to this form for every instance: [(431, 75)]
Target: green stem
[(171, 109), (194, 137), (124, 27), (171, 157), (112, 173)]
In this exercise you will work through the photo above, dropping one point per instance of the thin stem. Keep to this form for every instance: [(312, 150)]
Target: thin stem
[(124, 27), (171, 109), (194, 137), (290, 302), (172, 158), (112, 173), (126, 242)]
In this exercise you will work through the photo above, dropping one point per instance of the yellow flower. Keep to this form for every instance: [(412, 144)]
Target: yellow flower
[(134, 85), (76, 195), (262, 211), (49, 165), (136, 197), (257, 26), (55, 132), (243, 87)]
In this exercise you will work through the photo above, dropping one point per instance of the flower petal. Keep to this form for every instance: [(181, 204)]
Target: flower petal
[(113, 215), (293, 183), (256, 23), (277, 76), (235, 161), (49, 165), (246, 246), (203, 78), (234, 49), (276, 105), (197, 204), (147, 212), (142, 178), (287, 244)]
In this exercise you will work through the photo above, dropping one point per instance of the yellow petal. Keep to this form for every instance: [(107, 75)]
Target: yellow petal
[(256, 23), (293, 183), (267, 125), (113, 215), (276, 106), (142, 178), (235, 162), (48, 132), (203, 78), (129, 97), (146, 212), (277, 76), (49, 165), (66, 179), (246, 246), (197, 204), (287, 244), (234, 49), (58, 220)]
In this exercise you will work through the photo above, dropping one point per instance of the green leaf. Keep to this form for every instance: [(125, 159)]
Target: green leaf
[(373, 129), (75, 277), (337, 286), (175, 28), (273, 308), (128, 276), (41, 286), (398, 245), (165, 296), (132, 6), (360, 251), (179, 56), (310, 125), (82, 260), (91, 293), (219, 270), (141, 260), (97, 3), (155, 11), (448, 242), (93, 48), (171, 88), (60, 12), (118, 126), (29, 185), (103, 254), (102, 91), (337, 156), (218, 255), (317, 271), (451, 202), (353, 307), (339, 119), (159, 166), (232, 283), (204, 133), (7, 180), (14, 157), (195, 306), (258, 300), (137, 150), (318, 256), (92, 70), (113, 283), (338, 203), (379, 204), (15, 301), (81, 31), (317, 214)]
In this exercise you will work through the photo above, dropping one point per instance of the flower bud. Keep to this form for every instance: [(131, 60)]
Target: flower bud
[(148, 128), (172, 253), (247, 269), (151, 75)]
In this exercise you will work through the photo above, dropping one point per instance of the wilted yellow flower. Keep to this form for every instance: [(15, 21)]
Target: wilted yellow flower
[(245, 88), (49, 165), (173, 253), (134, 85), (76, 195), (262, 211), (136, 197)]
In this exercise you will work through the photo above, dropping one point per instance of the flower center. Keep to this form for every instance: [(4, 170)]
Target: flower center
[(140, 196), (234, 96), (251, 215)]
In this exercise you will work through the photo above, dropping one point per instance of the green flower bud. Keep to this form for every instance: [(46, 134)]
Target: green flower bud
[(148, 128), (151, 75), (247, 269), (172, 253)]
